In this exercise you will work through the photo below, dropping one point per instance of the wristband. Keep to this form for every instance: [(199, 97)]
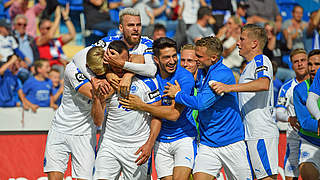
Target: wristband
[(66, 19)]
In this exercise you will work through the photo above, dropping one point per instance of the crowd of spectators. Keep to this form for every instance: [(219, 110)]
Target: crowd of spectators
[(28, 32)]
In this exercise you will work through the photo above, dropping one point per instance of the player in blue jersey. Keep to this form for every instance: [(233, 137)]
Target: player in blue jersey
[(314, 97), (221, 129), (309, 161), (174, 149), (255, 92), (285, 112)]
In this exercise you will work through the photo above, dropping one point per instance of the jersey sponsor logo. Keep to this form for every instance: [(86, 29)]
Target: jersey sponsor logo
[(133, 89), (80, 76), (282, 101), (100, 43), (261, 68), (154, 94)]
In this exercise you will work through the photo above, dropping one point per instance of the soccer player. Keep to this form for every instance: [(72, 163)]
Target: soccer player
[(130, 27), (221, 129), (309, 161), (285, 112), (174, 148), (256, 102), (125, 134), (73, 130), (313, 101)]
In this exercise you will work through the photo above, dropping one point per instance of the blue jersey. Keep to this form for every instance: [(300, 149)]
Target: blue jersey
[(185, 125), (309, 126), (276, 87), (9, 86), (315, 87), (54, 91), (38, 92), (219, 117)]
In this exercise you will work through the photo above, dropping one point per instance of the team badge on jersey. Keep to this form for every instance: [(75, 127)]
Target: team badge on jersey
[(80, 76), (133, 89)]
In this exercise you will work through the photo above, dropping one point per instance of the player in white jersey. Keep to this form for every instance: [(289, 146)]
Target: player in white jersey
[(141, 46), (125, 132), (73, 130), (285, 112), (256, 102)]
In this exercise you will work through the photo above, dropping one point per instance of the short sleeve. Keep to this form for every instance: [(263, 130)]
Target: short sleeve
[(75, 77), (263, 67)]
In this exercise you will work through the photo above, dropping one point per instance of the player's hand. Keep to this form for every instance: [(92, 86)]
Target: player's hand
[(34, 107), (113, 58), (145, 152), (133, 102), (54, 106), (294, 123), (171, 90), (114, 80), (104, 86), (125, 84), (220, 88)]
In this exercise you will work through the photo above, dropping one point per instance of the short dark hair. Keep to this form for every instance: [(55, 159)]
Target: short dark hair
[(204, 11), (42, 20), (296, 6), (158, 27), (118, 46), (313, 53), (161, 43)]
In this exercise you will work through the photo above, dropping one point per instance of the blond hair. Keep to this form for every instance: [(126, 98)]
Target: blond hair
[(188, 47), (128, 11), (256, 32), (297, 51), (95, 58), (213, 45)]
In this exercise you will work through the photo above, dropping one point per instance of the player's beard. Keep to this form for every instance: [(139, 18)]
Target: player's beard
[(132, 41)]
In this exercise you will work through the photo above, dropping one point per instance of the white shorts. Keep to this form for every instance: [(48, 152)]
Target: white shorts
[(291, 159), (81, 148), (169, 155), (233, 157), (112, 159), (310, 153), (264, 156)]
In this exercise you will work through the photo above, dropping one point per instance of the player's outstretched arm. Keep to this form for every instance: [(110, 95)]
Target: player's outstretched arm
[(261, 84), (146, 149), (171, 113)]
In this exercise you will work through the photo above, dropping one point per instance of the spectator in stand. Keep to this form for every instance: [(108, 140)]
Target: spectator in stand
[(50, 47), (275, 49), (4, 9), (229, 34), (8, 44), (221, 11), (97, 16), (27, 44), (190, 10), (242, 7), (260, 12), (38, 89), (21, 7), (293, 28), (201, 28), (57, 83), (10, 85), (311, 33)]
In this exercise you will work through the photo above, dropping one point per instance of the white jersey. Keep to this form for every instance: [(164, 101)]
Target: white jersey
[(74, 114), (143, 48), (7, 44), (285, 100), (129, 128), (257, 107)]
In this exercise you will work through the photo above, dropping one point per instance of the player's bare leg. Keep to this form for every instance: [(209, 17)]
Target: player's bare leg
[(181, 173), (308, 171), (55, 175), (291, 178), (202, 176)]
